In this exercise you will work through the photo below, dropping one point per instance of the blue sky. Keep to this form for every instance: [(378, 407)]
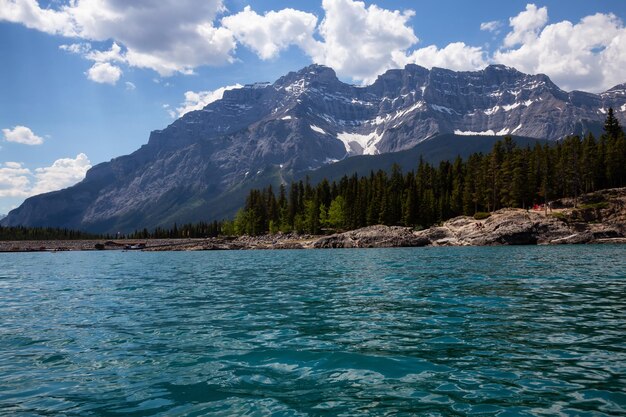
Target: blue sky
[(83, 83)]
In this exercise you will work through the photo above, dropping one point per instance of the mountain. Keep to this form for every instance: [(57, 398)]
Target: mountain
[(200, 166)]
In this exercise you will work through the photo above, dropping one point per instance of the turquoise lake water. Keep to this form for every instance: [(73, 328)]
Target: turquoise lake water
[(506, 331)]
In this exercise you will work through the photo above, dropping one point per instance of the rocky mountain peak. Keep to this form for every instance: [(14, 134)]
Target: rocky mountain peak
[(618, 91), (312, 74), (395, 82)]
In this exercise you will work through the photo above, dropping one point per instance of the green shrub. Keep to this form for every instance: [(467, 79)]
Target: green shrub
[(481, 215), (600, 205)]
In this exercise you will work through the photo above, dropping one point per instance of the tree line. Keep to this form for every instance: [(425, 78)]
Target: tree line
[(508, 176), (188, 230), (43, 233)]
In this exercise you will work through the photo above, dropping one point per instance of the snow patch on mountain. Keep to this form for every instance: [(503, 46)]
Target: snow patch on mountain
[(490, 132), (517, 104), (358, 144), (416, 106), (442, 109), (317, 129), (470, 133)]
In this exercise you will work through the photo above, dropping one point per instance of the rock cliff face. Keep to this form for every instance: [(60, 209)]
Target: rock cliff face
[(303, 121)]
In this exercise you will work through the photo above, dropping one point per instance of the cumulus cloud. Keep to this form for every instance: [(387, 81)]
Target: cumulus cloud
[(61, 174), (167, 36), (104, 73), (198, 100), (589, 55), (18, 181), (23, 135), (267, 35), (455, 56), (31, 15), (358, 41), (112, 55), (14, 180), (526, 25)]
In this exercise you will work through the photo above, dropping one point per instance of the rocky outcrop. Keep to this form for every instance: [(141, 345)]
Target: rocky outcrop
[(378, 236), (504, 227)]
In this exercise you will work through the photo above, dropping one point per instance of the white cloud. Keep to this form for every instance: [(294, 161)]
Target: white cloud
[(492, 26), (112, 55), (104, 73), (130, 86), (23, 135), (589, 55), (358, 41), (455, 56), (269, 34), (167, 36), (18, 181), (526, 25), (361, 42), (61, 174), (28, 13), (198, 100), (14, 180)]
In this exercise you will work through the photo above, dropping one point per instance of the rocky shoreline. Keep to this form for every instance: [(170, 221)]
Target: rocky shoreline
[(593, 218)]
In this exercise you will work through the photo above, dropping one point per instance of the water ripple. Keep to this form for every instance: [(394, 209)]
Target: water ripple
[(520, 331)]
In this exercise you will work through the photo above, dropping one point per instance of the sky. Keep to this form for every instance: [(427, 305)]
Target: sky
[(84, 81)]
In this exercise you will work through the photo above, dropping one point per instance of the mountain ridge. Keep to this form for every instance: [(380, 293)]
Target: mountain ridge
[(303, 121)]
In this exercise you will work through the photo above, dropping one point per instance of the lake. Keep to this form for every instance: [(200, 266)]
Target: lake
[(503, 331)]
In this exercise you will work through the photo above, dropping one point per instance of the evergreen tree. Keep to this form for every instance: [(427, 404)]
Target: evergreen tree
[(611, 125), (336, 213)]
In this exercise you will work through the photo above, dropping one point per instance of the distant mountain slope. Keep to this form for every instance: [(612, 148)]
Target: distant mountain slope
[(306, 120), (440, 148)]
